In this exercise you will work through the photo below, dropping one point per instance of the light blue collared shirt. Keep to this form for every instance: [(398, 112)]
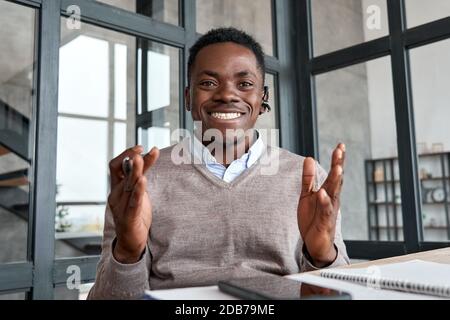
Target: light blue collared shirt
[(236, 167)]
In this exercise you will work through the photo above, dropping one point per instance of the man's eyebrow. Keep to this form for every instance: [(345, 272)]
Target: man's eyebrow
[(210, 73), (240, 74), (244, 73)]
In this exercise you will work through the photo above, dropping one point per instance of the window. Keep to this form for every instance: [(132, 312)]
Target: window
[(419, 12), (430, 76), (17, 31), (97, 121), (393, 116), (342, 23), (161, 10), (355, 105), (158, 94)]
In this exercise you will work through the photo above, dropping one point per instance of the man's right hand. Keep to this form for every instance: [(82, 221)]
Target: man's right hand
[(130, 204)]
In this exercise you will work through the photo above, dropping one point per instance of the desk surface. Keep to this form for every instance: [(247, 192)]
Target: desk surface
[(439, 255), (212, 292)]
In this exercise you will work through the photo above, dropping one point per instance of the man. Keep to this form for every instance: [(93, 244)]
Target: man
[(175, 225)]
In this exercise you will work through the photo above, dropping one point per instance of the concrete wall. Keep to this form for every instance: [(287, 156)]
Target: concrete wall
[(343, 110)]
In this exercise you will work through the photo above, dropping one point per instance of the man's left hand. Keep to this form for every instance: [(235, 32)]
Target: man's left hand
[(317, 210)]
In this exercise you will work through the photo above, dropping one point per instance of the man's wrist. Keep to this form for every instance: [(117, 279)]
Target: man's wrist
[(125, 256), (323, 261)]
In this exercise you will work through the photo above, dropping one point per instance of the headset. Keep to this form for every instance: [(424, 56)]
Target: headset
[(265, 103)]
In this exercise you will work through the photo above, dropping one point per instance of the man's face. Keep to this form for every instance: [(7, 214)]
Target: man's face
[(226, 88)]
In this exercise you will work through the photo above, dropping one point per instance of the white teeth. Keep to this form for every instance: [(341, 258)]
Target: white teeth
[(225, 116)]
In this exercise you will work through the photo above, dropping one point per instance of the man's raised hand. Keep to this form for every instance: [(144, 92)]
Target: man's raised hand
[(317, 210), (130, 204)]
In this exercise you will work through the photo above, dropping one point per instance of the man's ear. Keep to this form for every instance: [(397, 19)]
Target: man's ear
[(187, 98)]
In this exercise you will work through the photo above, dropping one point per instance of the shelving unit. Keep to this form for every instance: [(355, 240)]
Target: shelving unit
[(384, 201)]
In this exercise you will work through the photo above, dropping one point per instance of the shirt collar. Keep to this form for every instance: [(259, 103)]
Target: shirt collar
[(202, 153)]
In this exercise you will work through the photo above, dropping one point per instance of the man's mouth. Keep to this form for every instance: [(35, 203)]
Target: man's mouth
[(226, 115)]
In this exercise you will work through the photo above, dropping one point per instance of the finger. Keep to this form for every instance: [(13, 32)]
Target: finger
[(342, 147), (309, 172), (137, 196), (115, 165), (150, 159), (338, 155), (333, 183), (115, 196), (137, 169)]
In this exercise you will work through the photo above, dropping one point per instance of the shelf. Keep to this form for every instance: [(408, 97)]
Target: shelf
[(399, 203), (428, 154), (76, 235), (383, 184), (401, 227), (384, 181), (433, 154), (435, 179), (385, 203), (397, 181)]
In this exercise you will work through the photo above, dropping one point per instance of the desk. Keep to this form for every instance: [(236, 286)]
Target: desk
[(359, 292), (439, 255)]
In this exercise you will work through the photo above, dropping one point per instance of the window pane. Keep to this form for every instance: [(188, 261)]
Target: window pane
[(99, 70), (158, 94), (355, 106), (420, 12), (161, 10), (268, 121), (342, 23), (16, 107), (254, 17), (430, 76)]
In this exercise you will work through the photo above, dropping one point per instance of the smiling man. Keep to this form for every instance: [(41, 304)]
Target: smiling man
[(191, 223)]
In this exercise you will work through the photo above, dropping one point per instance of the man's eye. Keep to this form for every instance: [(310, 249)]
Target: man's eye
[(207, 83), (245, 84)]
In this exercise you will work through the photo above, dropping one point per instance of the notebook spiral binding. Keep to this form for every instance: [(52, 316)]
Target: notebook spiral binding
[(390, 284)]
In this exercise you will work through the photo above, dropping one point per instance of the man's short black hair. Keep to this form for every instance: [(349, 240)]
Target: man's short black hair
[(221, 35)]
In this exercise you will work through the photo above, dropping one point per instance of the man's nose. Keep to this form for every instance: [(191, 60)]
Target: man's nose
[(226, 93)]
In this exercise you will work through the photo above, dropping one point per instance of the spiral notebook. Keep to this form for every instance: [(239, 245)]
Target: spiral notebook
[(414, 276)]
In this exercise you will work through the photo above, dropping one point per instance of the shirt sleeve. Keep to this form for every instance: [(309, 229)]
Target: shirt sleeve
[(115, 280), (342, 256)]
